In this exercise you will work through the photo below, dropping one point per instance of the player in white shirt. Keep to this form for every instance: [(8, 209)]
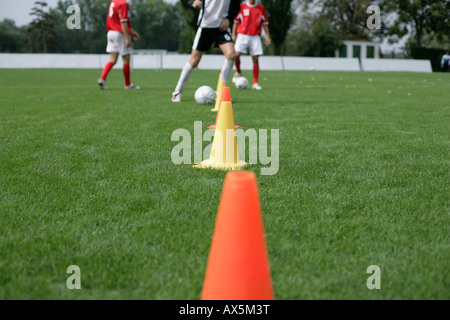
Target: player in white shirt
[(445, 62), (214, 23)]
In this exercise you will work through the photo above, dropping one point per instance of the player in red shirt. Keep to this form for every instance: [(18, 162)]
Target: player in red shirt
[(119, 31), (247, 25)]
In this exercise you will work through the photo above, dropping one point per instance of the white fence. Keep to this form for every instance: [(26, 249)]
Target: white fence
[(396, 65), (161, 60)]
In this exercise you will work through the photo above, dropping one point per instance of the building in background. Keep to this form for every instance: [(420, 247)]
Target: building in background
[(359, 49)]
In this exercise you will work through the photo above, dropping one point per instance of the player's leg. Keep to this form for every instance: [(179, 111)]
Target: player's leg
[(113, 51), (127, 73), (240, 48), (230, 58), (256, 85), (186, 73), (188, 68), (238, 63), (225, 42), (202, 43), (126, 52), (238, 72), (256, 50), (113, 56)]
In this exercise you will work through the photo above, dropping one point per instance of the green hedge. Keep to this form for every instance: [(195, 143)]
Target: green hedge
[(432, 54)]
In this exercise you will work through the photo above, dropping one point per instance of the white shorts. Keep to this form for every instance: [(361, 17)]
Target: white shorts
[(116, 43), (245, 42)]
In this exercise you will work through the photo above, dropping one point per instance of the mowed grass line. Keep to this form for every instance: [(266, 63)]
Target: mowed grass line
[(86, 179)]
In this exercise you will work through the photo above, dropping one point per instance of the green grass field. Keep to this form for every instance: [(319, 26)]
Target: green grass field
[(86, 179)]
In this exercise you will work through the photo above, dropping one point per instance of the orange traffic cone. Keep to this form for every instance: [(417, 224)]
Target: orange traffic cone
[(238, 265), (224, 96), (219, 94)]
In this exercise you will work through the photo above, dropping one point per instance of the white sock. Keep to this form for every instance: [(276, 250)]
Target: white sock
[(226, 69), (184, 77)]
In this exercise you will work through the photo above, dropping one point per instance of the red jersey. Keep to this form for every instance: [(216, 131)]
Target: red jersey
[(250, 19), (118, 12)]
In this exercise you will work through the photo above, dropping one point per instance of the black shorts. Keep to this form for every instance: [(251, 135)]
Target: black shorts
[(205, 37)]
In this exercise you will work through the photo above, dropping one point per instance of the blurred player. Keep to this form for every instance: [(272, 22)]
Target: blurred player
[(445, 62), (247, 26), (214, 23), (119, 31)]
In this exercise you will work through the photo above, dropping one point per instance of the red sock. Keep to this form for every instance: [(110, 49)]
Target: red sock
[(255, 73), (238, 65), (107, 69), (126, 74)]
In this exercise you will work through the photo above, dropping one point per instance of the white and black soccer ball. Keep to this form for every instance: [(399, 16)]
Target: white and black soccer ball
[(205, 95), (241, 83)]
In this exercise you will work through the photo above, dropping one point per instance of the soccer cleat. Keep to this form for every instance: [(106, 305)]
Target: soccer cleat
[(236, 76), (256, 86), (102, 84), (176, 96), (132, 87)]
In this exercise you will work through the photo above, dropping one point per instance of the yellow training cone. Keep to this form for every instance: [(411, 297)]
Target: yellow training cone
[(224, 151), (219, 95), (218, 83)]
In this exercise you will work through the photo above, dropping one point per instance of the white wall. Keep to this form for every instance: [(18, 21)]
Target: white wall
[(402, 65), (210, 62), (172, 61), (56, 61), (321, 64)]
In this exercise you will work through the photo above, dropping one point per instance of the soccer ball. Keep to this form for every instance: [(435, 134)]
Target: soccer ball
[(205, 95), (241, 83)]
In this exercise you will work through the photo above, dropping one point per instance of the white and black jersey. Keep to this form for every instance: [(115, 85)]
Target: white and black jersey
[(213, 12), (206, 37)]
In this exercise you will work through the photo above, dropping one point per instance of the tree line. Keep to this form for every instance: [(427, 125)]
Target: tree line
[(298, 27), (159, 24)]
